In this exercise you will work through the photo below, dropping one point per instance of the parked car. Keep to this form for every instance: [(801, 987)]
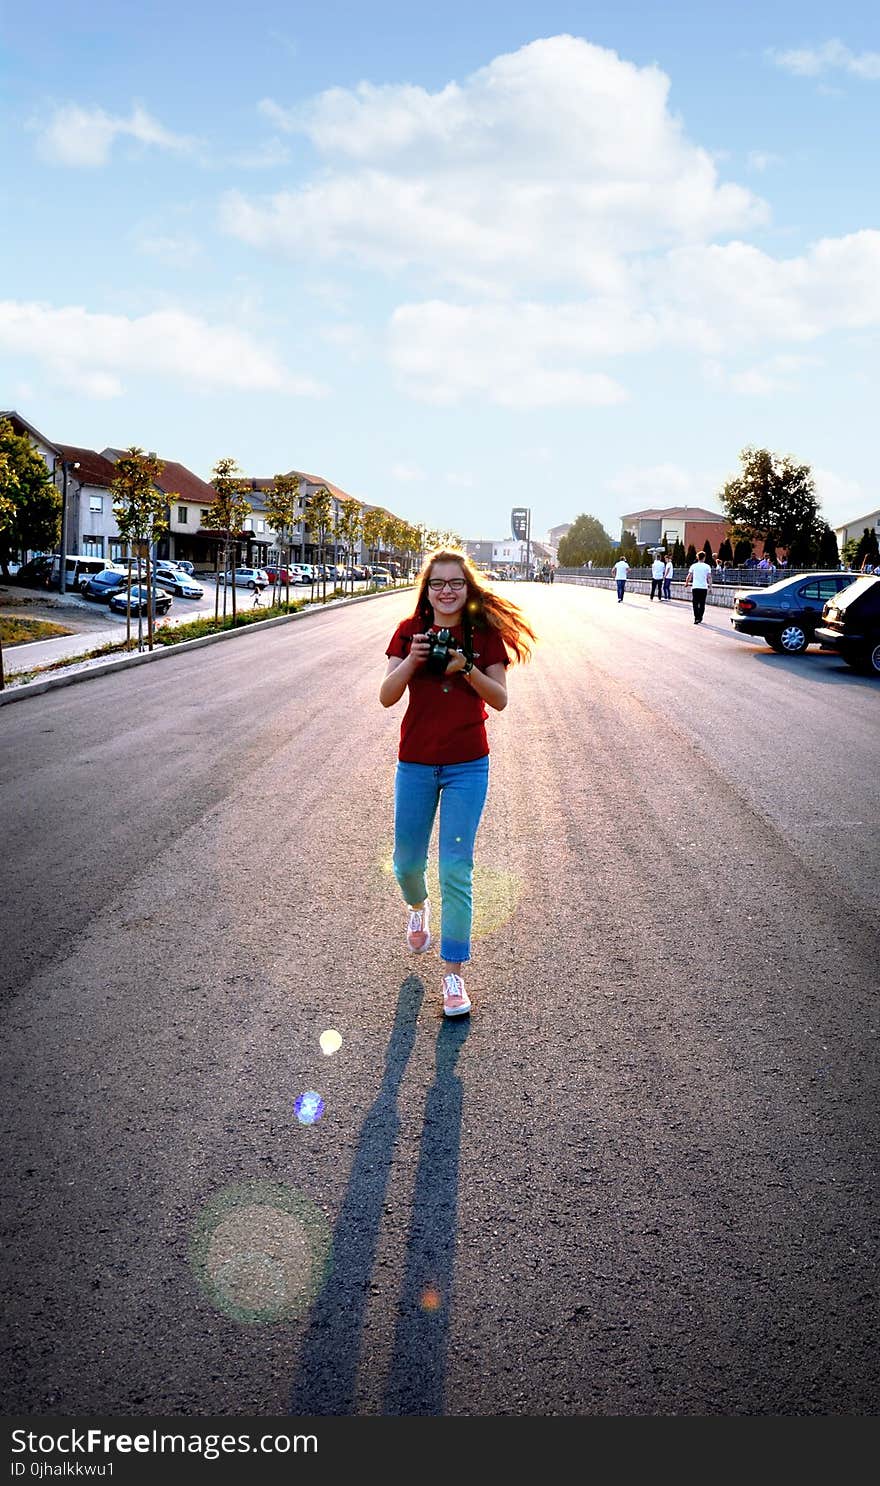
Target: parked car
[(103, 586), (140, 598), (286, 574), (301, 572), (175, 580), (851, 624), (786, 613), (187, 567), (252, 578), (380, 579)]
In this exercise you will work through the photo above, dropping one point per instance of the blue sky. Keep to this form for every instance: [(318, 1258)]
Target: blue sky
[(570, 256)]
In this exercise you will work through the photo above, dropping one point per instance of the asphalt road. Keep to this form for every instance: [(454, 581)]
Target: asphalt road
[(640, 1180)]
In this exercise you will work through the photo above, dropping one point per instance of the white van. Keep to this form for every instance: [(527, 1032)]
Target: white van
[(78, 569)]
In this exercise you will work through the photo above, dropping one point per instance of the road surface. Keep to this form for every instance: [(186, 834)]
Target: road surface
[(640, 1180)]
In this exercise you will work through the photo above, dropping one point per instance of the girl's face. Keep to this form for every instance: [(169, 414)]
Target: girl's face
[(447, 603)]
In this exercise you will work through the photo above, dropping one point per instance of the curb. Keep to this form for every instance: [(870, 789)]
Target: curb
[(125, 662)]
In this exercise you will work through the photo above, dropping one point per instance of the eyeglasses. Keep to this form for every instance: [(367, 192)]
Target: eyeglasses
[(456, 584)]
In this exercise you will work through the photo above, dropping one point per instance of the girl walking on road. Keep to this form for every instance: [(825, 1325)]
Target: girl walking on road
[(443, 756)]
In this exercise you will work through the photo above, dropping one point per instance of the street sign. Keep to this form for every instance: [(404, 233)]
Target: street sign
[(519, 521)]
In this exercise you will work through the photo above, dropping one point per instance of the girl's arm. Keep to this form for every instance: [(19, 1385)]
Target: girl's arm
[(400, 672), (490, 684)]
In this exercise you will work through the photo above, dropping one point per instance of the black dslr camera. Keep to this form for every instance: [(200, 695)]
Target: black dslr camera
[(443, 647)]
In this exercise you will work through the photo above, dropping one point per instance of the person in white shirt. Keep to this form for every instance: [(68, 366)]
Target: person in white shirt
[(699, 581), (668, 574), (620, 572), (657, 567)]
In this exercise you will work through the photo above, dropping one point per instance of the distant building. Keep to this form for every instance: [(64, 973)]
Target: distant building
[(557, 532), (686, 524)]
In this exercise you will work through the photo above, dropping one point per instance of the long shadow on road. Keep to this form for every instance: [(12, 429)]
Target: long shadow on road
[(330, 1354)]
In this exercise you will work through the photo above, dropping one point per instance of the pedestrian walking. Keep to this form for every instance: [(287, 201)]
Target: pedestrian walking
[(553, 572), (620, 573), (699, 581), (657, 567), (668, 574), (451, 653)]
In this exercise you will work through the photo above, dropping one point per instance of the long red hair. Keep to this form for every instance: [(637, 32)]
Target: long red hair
[(484, 606)]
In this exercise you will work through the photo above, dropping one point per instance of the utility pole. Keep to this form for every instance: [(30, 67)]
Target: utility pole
[(62, 577)]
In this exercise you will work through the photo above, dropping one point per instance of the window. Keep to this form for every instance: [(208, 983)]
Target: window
[(261, 526), (183, 514), (205, 515), (93, 546), (248, 524), (809, 591), (96, 503), (117, 551)]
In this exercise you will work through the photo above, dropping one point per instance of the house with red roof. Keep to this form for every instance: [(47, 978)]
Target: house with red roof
[(669, 524)]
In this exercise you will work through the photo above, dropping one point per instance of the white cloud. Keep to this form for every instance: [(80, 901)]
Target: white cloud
[(85, 136), (181, 250), (762, 160), (93, 352), (407, 473), (516, 356), (267, 156), (830, 56), (549, 164)]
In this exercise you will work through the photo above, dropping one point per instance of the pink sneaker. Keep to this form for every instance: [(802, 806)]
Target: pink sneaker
[(418, 934), (455, 997)]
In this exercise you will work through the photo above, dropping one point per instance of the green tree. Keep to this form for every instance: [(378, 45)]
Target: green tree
[(690, 555), (348, 528), (742, 552), (8, 487), (827, 555), (867, 548), (585, 541), (227, 516), (35, 520), (772, 500), (140, 510), (282, 511), (848, 551), (373, 527), (318, 513), (725, 551), (678, 553), (629, 548)]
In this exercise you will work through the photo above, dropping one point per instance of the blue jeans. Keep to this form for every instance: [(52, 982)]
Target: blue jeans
[(621, 586), (460, 790)]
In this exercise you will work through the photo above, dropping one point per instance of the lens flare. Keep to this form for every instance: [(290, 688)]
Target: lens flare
[(309, 1107), (330, 1042), (431, 1299), (260, 1252)]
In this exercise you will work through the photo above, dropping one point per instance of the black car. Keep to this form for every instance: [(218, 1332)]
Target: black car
[(140, 598), (851, 625), (786, 614), (102, 586)]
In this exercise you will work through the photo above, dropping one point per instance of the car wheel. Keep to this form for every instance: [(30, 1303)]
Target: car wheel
[(775, 643), (252, 586), (793, 640)]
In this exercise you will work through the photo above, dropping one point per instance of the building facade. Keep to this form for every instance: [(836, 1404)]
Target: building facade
[(686, 524)]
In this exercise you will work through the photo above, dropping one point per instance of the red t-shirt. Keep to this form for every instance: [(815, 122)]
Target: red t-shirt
[(445, 722)]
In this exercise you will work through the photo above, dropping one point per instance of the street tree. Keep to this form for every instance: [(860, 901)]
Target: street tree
[(318, 514), (140, 510), (373, 525), (282, 512), (227, 517), (26, 481), (678, 555), (585, 541), (8, 485), (772, 500), (690, 555), (348, 528)]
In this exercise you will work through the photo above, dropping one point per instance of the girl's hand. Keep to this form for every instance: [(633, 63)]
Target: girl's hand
[(420, 649), (457, 662)]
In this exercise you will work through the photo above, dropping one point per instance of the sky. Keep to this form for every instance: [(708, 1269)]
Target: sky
[(454, 259)]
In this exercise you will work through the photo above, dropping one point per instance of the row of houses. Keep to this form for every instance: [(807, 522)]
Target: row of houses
[(85, 477)]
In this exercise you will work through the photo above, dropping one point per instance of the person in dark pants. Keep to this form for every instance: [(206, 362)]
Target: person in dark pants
[(668, 575), (657, 578), (699, 581), (620, 573)]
